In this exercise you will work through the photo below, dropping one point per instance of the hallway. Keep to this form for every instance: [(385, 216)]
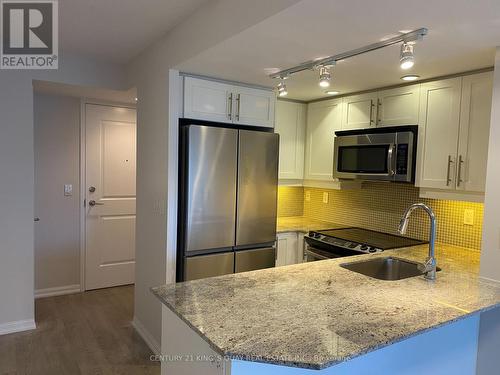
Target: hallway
[(84, 333)]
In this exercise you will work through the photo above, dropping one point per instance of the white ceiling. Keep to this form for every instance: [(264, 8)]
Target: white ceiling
[(462, 36), (117, 30)]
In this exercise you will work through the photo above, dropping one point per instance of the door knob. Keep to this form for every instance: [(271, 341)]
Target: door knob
[(92, 189), (93, 203)]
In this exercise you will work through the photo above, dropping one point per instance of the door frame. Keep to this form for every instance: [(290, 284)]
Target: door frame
[(83, 182)]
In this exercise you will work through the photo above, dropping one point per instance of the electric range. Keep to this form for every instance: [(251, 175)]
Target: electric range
[(343, 242)]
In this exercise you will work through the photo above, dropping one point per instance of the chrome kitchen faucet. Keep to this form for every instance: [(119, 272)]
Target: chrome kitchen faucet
[(429, 267)]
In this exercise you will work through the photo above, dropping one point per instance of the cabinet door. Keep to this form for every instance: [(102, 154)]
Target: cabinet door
[(207, 100), (291, 126), (475, 114), (300, 247), (253, 107), (438, 138), (359, 111), (398, 106), (323, 120), (286, 247)]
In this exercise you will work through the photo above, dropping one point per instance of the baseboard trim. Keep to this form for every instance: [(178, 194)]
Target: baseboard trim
[(146, 336), (57, 291), (18, 326)]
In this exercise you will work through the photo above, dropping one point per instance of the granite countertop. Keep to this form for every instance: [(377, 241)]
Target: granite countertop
[(315, 315), (303, 224)]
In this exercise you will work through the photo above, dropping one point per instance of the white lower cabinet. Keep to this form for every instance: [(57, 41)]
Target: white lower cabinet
[(289, 248)]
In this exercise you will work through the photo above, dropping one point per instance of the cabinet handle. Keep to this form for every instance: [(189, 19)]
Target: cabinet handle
[(460, 162), (371, 111), (230, 106), (448, 179), (238, 104), (379, 104)]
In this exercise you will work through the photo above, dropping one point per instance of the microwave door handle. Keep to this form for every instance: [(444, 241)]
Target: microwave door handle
[(391, 159)]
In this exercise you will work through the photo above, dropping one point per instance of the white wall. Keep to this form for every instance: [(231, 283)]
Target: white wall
[(149, 72), (57, 162), (17, 174), (490, 252), (488, 360)]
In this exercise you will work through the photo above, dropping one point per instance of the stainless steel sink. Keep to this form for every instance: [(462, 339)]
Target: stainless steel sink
[(386, 268)]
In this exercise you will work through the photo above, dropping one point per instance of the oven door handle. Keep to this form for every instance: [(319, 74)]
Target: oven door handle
[(316, 255)]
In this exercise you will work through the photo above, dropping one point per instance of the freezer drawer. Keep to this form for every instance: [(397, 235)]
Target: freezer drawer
[(254, 259), (211, 188), (199, 267), (257, 188)]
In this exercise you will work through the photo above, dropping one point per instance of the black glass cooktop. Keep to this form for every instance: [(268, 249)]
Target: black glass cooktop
[(379, 240)]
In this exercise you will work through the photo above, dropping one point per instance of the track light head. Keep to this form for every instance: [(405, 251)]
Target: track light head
[(324, 76), (406, 59), (282, 91)]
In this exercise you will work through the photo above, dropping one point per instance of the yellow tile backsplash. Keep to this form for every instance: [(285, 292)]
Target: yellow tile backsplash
[(290, 201), (379, 206)]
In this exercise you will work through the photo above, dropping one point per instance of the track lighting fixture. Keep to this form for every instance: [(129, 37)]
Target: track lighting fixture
[(324, 76), (406, 57), (282, 91)]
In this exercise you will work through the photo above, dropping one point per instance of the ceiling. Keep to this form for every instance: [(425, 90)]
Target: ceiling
[(117, 30), (462, 37)]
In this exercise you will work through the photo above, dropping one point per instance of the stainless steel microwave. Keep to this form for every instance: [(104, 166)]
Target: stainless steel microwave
[(387, 154)]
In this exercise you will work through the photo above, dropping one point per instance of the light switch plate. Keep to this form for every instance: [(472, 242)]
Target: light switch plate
[(68, 190), (308, 196), (468, 216), (325, 197)]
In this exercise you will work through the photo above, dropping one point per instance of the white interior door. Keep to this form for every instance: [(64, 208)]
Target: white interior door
[(110, 153)]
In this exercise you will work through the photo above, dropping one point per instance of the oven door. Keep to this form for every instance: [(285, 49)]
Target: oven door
[(312, 254), (365, 156)]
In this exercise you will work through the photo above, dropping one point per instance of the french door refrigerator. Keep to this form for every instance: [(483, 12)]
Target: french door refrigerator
[(228, 181)]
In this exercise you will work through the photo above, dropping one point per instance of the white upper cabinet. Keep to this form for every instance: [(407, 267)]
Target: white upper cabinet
[(291, 126), (399, 106), (438, 138), (393, 107), (453, 143), (207, 100), (359, 111), (475, 117), (323, 120), (254, 107), (221, 102)]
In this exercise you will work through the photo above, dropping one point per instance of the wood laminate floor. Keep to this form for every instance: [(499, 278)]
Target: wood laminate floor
[(85, 333)]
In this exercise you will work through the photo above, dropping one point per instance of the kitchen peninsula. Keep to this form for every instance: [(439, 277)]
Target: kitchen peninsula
[(319, 318)]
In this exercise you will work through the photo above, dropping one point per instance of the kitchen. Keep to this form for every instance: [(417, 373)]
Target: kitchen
[(442, 164), (281, 195)]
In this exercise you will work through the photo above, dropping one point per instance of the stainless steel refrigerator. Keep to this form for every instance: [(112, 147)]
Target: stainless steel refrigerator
[(227, 200)]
